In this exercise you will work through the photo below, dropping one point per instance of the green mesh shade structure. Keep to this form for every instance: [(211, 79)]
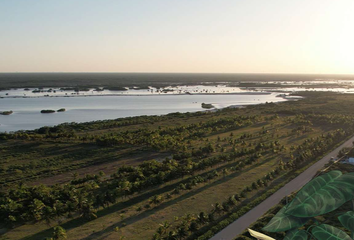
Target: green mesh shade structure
[(284, 222), (322, 195), (327, 232), (296, 235), (347, 220)]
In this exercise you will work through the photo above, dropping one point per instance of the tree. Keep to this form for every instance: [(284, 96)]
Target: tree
[(48, 214), (182, 232), (225, 171), (36, 209), (218, 208), (232, 200), (88, 212), (202, 218), (163, 228), (193, 227), (156, 199), (59, 233), (156, 236), (171, 236)]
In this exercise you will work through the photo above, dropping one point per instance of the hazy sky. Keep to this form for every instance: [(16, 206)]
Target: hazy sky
[(236, 36)]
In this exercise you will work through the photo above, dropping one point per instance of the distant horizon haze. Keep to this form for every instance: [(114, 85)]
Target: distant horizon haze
[(230, 73), (162, 72), (186, 73), (201, 36)]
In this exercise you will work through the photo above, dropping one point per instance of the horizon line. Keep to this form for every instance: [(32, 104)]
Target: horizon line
[(226, 73)]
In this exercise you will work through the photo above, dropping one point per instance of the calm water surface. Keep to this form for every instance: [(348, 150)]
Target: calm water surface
[(27, 114)]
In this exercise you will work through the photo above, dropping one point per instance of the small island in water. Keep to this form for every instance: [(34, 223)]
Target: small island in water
[(207, 105), (6, 113), (48, 111), (53, 111)]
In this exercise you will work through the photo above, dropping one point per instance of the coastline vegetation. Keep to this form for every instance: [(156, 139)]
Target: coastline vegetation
[(76, 89), (117, 88)]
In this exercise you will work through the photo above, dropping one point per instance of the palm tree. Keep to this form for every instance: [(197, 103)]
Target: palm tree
[(88, 212), (211, 217), (218, 208), (59, 233), (48, 214), (36, 209), (156, 199), (171, 236), (193, 227), (99, 201), (157, 236), (226, 206), (163, 228), (232, 200), (59, 208), (182, 232), (81, 198), (202, 218), (225, 171)]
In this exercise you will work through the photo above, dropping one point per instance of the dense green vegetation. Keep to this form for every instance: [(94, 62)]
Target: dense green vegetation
[(192, 173)]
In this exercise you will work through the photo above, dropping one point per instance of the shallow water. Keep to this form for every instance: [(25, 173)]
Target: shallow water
[(27, 114), (176, 90)]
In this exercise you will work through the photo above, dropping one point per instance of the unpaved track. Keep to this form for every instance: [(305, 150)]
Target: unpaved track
[(238, 226)]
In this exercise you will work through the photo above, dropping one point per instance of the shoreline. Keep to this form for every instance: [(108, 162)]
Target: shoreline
[(141, 95), (201, 110)]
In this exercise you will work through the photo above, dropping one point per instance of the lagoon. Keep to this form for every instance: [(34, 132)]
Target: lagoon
[(26, 111)]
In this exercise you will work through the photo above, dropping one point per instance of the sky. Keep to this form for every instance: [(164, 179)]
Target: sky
[(188, 36)]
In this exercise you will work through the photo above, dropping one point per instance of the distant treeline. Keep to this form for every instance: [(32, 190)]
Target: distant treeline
[(119, 80)]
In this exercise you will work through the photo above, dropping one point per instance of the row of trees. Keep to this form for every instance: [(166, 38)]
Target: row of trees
[(314, 148), (191, 223), (45, 203), (83, 195), (173, 138)]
